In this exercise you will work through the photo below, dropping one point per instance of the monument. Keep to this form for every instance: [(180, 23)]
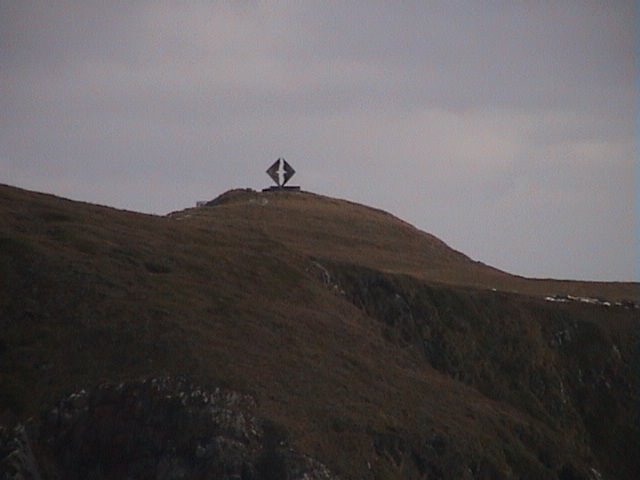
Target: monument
[(281, 172)]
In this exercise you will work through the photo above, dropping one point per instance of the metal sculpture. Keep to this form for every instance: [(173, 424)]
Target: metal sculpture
[(281, 172)]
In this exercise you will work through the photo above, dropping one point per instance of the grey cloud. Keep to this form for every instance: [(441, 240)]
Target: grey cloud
[(505, 128)]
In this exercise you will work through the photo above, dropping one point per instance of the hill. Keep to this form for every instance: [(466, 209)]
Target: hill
[(354, 345)]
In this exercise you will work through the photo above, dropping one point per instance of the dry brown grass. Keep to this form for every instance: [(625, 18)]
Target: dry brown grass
[(232, 295), (342, 231)]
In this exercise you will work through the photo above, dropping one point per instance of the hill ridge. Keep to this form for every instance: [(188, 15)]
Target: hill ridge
[(374, 350), (469, 272)]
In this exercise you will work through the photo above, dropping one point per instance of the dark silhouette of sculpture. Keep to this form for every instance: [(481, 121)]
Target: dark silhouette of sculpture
[(281, 172)]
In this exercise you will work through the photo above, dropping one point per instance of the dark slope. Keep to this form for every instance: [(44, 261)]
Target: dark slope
[(376, 348)]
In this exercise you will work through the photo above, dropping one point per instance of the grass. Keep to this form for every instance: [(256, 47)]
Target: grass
[(232, 295)]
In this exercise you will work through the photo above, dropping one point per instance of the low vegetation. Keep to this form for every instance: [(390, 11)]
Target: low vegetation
[(369, 345)]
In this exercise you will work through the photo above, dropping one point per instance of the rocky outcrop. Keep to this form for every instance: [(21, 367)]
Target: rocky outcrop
[(161, 428), (564, 367)]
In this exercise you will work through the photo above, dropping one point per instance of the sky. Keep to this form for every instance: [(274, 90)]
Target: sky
[(507, 129)]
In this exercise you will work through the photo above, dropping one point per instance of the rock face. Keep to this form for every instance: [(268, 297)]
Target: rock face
[(567, 369), (161, 428)]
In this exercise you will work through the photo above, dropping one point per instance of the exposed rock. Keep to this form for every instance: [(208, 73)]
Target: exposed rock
[(562, 369), (162, 428), (18, 461)]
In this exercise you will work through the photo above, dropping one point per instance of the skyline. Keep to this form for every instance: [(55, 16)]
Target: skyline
[(508, 131)]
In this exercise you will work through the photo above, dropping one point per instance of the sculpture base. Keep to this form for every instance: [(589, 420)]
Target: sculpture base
[(281, 189)]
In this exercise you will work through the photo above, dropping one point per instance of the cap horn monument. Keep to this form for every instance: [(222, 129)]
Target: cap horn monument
[(281, 172)]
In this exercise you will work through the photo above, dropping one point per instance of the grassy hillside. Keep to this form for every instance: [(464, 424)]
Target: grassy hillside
[(380, 351), (318, 226)]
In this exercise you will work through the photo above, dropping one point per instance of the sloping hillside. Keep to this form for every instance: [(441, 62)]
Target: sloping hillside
[(343, 231), (369, 346)]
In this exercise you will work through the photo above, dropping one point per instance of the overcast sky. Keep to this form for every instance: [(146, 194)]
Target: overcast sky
[(506, 128)]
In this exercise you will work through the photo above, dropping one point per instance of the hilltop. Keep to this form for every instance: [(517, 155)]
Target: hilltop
[(342, 231), (366, 347)]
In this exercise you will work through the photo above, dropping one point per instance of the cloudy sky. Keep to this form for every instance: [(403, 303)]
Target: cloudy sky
[(507, 129)]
